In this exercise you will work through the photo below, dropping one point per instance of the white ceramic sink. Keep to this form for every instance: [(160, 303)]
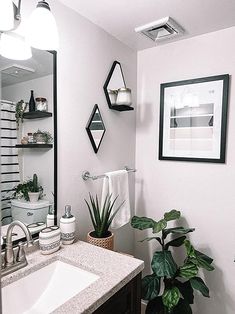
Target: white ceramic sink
[(45, 289)]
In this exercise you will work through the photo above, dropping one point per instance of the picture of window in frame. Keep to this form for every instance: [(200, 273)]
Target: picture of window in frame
[(193, 118)]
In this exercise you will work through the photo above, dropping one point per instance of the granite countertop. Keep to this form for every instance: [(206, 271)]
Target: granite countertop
[(115, 270)]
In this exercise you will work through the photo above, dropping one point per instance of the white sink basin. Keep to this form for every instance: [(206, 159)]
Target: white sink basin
[(46, 289)]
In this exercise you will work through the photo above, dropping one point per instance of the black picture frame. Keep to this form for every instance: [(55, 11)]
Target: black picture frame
[(95, 147), (168, 136)]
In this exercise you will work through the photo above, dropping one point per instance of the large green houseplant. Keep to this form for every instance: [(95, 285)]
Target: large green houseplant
[(177, 282), (101, 218)]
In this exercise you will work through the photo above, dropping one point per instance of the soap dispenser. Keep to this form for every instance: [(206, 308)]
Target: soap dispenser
[(67, 226)]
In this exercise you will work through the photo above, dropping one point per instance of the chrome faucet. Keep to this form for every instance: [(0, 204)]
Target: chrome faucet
[(13, 262)]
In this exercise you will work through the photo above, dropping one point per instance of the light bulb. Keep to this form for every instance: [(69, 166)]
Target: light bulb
[(6, 15), (42, 30), (13, 46)]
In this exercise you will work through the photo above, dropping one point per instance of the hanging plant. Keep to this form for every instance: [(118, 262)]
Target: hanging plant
[(19, 113), (177, 282)]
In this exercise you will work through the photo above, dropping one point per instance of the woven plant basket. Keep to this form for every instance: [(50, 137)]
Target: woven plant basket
[(106, 243)]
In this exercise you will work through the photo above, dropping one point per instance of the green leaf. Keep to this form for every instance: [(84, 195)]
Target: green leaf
[(176, 242), (142, 223), (188, 270), (150, 287), (182, 308), (151, 238), (158, 226), (198, 284), (172, 215), (163, 264), (204, 261), (189, 249), (177, 230), (208, 259), (155, 306), (186, 290), (171, 297)]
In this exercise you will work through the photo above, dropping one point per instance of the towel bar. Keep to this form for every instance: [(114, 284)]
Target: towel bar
[(86, 174)]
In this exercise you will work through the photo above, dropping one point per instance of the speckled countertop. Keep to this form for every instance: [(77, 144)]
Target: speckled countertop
[(114, 271)]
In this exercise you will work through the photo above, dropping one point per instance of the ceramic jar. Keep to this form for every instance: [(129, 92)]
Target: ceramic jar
[(49, 240)]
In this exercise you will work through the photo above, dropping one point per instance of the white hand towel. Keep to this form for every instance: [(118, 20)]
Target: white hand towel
[(116, 183)]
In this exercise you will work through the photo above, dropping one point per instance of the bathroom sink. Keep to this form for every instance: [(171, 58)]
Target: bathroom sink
[(45, 289)]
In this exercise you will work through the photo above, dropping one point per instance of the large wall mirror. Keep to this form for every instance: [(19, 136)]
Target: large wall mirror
[(28, 142)]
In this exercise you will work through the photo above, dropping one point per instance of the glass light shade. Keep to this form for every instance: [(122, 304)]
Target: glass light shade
[(124, 96), (6, 15), (42, 30), (13, 46)]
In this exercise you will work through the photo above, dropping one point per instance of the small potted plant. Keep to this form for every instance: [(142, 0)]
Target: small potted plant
[(102, 217), (30, 190), (170, 287), (42, 137)]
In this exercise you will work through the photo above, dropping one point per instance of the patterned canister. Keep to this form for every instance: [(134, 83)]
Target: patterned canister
[(67, 226), (49, 239)]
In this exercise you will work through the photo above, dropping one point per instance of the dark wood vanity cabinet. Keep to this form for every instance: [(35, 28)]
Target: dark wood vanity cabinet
[(126, 301)]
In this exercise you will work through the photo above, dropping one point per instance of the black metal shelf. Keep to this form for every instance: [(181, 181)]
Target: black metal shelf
[(37, 115), (121, 107), (34, 145)]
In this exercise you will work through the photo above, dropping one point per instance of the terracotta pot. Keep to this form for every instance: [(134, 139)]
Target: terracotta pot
[(106, 243)]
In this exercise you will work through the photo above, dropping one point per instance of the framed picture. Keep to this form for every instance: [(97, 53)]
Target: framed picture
[(193, 117)]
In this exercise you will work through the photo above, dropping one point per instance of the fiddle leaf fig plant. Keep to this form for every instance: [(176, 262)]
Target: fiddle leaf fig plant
[(177, 282)]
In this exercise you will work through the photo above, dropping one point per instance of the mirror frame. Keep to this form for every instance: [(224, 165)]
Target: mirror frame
[(89, 131), (54, 69)]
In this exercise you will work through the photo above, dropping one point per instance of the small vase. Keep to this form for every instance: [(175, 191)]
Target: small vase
[(106, 243), (33, 196)]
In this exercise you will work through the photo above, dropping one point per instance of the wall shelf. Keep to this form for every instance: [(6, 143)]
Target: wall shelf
[(111, 84), (34, 145), (121, 108), (37, 115)]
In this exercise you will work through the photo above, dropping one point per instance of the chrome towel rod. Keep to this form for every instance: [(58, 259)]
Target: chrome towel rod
[(86, 174)]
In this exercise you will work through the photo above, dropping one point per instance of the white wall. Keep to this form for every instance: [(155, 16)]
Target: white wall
[(204, 192), (85, 57)]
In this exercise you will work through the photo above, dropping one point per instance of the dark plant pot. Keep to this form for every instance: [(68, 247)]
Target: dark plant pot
[(106, 243)]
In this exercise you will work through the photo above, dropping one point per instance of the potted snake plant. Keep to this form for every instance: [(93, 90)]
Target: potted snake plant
[(101, 218)]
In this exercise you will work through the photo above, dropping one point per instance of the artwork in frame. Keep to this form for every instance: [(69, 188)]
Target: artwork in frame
[(193, 118)]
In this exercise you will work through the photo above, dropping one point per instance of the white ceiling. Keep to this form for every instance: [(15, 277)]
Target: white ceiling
[(120, 17)]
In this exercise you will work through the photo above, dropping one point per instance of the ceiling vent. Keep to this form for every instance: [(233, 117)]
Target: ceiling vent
[(160, 30), (17, 70)]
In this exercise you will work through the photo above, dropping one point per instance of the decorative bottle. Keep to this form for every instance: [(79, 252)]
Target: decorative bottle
[(67, 226), (32, 105)]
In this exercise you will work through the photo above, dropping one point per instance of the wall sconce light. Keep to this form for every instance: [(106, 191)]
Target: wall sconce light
[(6, 15), (14, 46), (41, 30)]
